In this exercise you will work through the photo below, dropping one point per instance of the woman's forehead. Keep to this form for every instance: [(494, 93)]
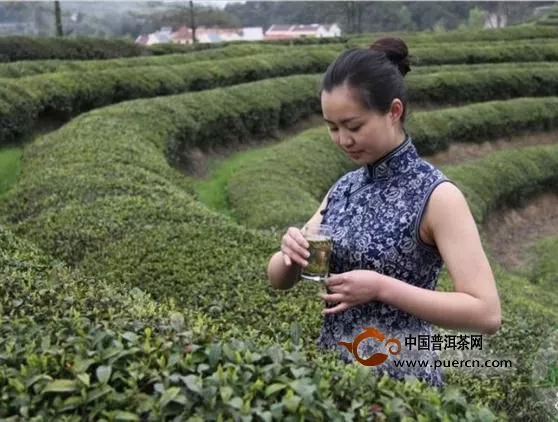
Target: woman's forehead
[(340, 104)]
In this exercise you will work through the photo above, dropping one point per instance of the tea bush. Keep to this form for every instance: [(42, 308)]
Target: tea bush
[(68, 94), (307, 165), (14, 48), (543, 263), (75, 347), (105, 361), (529, 311), (431, 69), (19, 47), (515, 32), (38, 67), (425, 54)]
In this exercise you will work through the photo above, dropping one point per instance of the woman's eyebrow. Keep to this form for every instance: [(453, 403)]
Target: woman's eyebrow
[(344, 120)]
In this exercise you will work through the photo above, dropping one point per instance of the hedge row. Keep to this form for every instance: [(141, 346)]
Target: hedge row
[(293, 177), (516, 32), (17, 47), (550, 22), (429, 70), (169, 245), (288, 169), (66, 95), (106, 352), (543, 262), (448, 53), (38, 67), (96, 195)]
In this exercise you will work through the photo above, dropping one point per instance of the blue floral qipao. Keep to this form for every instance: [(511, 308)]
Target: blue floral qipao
[(375, 213)]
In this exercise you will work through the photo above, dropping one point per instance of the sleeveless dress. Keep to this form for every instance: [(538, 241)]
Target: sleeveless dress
[(375, 213)]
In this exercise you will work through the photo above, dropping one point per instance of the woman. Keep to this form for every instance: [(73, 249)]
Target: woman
[(396, 220)]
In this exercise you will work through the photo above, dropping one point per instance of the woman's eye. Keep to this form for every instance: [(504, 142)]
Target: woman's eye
[(333, 129), (354, 129)]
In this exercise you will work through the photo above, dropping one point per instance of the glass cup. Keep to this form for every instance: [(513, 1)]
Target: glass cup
[(320, 244)]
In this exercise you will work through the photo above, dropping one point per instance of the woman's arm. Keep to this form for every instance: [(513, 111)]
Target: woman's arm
[(282, 272), (475, 303)]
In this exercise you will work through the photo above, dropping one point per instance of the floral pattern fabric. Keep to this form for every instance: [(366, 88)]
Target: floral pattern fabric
[(375, 214)]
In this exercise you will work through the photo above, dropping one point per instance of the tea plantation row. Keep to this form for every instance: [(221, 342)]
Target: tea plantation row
[(65, 95), (34, 48), (288, 169), (525, 50)]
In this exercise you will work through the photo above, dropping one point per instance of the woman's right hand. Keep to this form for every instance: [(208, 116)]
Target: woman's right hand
[(294, 247)]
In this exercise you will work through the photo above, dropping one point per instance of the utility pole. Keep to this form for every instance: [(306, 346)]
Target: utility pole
[(193, 22), (58, 18)]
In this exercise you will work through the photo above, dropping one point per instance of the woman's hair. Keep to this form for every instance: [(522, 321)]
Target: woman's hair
[(375, 73)]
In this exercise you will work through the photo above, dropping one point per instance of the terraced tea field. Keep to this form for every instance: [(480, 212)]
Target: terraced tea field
[(135, 233)]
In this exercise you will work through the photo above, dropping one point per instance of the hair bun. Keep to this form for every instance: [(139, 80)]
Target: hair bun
[(396, 51)]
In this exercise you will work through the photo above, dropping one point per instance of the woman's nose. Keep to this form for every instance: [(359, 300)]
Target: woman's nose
[(345, 139)]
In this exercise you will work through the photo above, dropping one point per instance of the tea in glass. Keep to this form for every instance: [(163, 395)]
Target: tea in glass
[(320, 244)]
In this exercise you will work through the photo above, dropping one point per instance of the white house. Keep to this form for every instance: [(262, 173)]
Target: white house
[(299, 31), (252, 33), (493, 20)]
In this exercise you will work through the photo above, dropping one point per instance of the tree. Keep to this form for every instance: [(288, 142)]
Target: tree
[(193, 22), (477, 18), (58, 18)]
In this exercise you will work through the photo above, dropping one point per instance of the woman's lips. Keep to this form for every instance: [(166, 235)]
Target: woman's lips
[(354, 154)]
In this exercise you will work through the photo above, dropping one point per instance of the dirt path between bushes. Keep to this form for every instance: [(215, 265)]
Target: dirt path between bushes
[(511, 231)]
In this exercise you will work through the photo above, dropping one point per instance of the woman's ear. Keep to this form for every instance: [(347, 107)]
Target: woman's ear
[(396, 110)]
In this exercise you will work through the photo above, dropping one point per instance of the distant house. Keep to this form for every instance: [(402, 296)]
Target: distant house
[(183, 35), (163, 36), (252, 33), (299, 31), (494, 20)]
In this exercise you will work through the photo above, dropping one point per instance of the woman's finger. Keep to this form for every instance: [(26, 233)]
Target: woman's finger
[(299, 237), (294, 256), (296, 247)]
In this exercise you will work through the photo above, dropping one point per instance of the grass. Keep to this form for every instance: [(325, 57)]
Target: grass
[(10, 160), (211, 191)]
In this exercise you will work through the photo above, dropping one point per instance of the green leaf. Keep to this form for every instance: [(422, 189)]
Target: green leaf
[(61, 386), (226, 393), (131, 337), (84, 378), (193, 383), (214, 354), (98, 393), (273, 388), (236, 403), (266, 415), (169, 395), (292, 402), (299, 372), (303, 387), (122, 415), (71, 403), (103, 373), (82, 365)]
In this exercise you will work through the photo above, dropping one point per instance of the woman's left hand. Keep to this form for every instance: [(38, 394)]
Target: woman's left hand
[(351, 288)]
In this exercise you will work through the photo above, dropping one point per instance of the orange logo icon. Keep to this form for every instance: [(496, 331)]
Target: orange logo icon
[(376, 358)]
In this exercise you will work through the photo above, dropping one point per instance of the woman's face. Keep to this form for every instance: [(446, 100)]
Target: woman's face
[(364, 135)]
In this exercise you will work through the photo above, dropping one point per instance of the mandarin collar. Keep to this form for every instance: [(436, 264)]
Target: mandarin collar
[(393, 163)]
